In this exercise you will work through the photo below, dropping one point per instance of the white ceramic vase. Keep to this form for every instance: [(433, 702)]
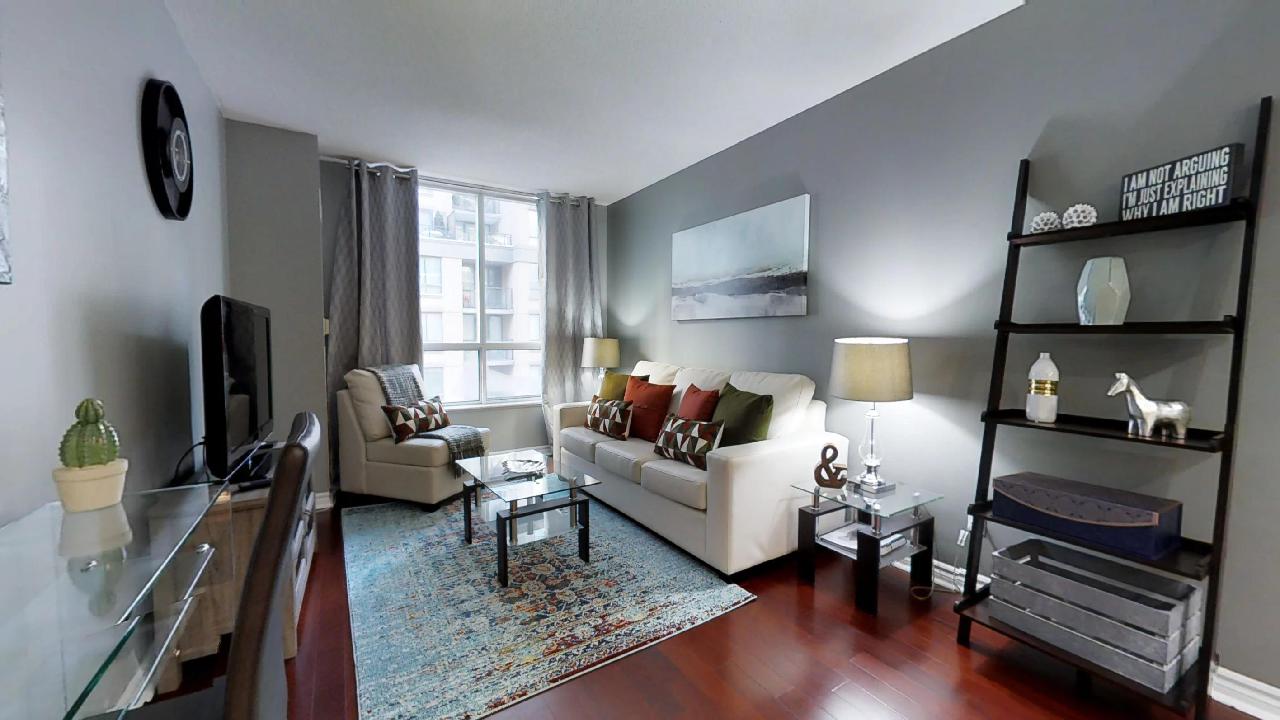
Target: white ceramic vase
[(91, 488), (1102, 295)]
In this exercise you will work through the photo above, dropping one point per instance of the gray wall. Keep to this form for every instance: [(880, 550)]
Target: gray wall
[(273, 223), (912, 176), (107, 293)]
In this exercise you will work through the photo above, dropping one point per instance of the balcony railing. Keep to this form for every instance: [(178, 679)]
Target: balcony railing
[(498, 239), (498, 298)]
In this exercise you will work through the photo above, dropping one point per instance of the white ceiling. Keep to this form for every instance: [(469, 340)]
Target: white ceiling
[(597, 97)]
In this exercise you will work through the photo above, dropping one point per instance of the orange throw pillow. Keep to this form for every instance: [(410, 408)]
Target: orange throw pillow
[(698, 404), (649, 406)]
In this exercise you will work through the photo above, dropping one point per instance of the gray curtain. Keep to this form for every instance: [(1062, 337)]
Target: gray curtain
[(373, 304), (573, 303)]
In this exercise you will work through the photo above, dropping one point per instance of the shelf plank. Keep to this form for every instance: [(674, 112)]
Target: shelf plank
[(1225, 326), (1190, 559), (1197, 439), (1239, 209), (1180, 697)]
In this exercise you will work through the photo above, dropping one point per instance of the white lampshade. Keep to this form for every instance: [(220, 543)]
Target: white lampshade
[(871, 369), (599, 352)]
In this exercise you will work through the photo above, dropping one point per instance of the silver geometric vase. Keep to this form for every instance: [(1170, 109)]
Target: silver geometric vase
[(1102, 295)]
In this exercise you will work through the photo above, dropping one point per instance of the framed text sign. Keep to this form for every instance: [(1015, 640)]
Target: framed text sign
[(1196, 182)]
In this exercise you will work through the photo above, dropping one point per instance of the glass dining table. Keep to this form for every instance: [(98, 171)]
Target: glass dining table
[(92, 603)]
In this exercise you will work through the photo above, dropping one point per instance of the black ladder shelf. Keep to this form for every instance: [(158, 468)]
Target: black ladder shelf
[(1194, 559)]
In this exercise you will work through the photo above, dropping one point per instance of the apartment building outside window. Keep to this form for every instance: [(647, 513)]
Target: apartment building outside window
[(480, 295)]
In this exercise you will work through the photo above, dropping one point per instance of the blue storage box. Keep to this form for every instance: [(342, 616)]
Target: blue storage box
[(1122, 521)]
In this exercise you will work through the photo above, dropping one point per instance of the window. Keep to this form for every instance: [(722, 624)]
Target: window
[(430, 276), (481, 295), (432, 327)]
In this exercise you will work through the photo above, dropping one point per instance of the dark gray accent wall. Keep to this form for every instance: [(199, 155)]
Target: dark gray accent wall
[(106, 294), (912, 179), (273, 221)]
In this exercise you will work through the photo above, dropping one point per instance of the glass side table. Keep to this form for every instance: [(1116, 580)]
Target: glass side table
[(877, 530)]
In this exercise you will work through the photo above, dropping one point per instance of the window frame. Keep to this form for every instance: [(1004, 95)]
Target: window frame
[(480, 279)]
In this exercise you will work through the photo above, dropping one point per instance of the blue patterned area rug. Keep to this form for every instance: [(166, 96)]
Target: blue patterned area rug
[(436, 636)]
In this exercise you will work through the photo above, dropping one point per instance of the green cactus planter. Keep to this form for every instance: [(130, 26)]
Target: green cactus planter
[(92, 475)]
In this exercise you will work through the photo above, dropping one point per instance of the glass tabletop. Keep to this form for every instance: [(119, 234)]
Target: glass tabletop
[(76, 583), (520, 475), (903, 498)]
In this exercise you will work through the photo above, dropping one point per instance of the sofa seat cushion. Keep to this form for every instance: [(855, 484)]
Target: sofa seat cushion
[(582, 441), (625, 458), (676, 481), (421, 452)]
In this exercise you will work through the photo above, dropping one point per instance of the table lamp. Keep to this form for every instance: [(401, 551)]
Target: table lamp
[(599, 352), (874, 370)]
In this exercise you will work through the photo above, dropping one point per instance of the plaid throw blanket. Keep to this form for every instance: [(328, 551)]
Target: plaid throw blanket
[(464, 442), (399, 384)]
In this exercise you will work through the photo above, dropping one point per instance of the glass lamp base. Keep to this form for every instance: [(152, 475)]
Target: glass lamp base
[(870, 482)]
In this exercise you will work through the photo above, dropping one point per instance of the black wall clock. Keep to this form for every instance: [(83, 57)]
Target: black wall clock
[(166, 149)]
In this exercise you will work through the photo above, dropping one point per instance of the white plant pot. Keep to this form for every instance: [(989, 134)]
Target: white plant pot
[(91, 488)]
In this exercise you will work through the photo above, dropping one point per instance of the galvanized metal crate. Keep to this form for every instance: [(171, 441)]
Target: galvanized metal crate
[(1153, 675), (1159, 605)]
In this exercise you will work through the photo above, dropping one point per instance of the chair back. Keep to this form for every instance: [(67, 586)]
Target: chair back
[(256, 685)]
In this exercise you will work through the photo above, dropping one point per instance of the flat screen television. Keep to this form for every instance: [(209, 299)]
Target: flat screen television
[(235, 340)]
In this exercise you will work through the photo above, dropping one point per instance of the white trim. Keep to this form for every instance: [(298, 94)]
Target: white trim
[(324, 501), (1243, 693), (495, 405), (948, 577)]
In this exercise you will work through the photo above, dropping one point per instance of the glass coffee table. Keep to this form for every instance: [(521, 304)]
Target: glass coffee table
[(532, 504), (876, 530)]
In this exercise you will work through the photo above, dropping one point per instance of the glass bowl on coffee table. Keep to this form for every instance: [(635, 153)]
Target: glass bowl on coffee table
[(873, 531), (530, 503)]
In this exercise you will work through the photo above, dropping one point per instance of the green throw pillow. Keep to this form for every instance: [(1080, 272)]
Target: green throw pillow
[(746, 416), (614, 385)]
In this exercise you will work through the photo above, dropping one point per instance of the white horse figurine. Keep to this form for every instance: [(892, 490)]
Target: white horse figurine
[(1145, 415)]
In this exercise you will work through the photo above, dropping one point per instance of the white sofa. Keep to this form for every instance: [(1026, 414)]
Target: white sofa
[(371, 462), (741, 510)]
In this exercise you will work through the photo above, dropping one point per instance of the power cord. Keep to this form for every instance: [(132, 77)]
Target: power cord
[(177, 468)]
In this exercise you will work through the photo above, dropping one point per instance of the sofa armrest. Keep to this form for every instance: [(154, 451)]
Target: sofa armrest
[(751, 506), (562, 416)]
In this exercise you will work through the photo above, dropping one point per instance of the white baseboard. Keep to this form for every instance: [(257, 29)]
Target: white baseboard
[(945, 576), (1228, 687), (324, 501), (1245, 694)]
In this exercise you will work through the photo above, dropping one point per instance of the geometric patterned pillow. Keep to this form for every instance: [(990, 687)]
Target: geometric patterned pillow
[(688, 441), (407, 421), (609, 417)]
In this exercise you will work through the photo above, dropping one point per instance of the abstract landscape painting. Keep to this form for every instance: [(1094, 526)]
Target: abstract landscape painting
[(753, 264), (6, 269)]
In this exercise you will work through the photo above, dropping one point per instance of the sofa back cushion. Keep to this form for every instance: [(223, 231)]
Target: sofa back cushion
[(609, 417), (746, 416), (704, 378), (659, 373), (649, 405), (367, 400), (791, 396)]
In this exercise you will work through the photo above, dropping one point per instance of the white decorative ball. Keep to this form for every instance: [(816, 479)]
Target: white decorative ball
[(1079, 216), (1045, 221)]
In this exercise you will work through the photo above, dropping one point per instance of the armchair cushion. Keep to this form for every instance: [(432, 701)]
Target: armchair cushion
[(416, 451), (367, 399), (407, 421)]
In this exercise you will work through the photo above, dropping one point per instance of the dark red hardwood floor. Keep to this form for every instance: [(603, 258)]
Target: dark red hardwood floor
[(796, 652)]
